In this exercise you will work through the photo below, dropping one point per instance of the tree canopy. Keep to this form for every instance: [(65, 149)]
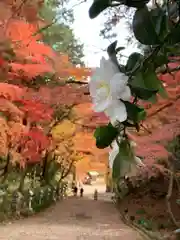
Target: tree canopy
[(59, 34)]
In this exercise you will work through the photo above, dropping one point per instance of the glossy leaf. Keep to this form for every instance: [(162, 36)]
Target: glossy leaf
[(174, 37), (112, 51), (147, 80), (160, 21), (143, 27), (160, 59), (142, 93), (97, 7), (105, 135), (135, 113), (133, 61), (116, 167)]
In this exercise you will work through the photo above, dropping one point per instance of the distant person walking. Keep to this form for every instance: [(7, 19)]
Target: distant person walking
[(81, 192), (95, 194), (75, 190)]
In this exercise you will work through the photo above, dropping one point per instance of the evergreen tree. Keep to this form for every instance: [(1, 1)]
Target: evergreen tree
[(60, 35)]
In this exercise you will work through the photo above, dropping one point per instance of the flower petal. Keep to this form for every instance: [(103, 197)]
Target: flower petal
[(100, 105), (96, 75), (118, 84), (116, 112), (126, 94), (102, 94), (108, 69), (114, 145), (95, 82), (112, 155)]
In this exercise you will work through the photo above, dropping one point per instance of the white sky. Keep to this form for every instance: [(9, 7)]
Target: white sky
[(87, 30)]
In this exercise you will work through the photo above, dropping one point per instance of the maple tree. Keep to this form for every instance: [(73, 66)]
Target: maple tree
[(35, 83)]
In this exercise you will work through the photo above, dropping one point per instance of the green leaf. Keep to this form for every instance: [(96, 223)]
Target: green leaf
[(160, 59), (160, 20), (105, 135), (143, 93), (162, 91), (97, 7), (135, 113), (143, 27), (147, 80), (153, 99), (174, 36), (112, 51), (133, 61), (138, 81), (123, 162), (116, 171), (151, 80), (112, 48)]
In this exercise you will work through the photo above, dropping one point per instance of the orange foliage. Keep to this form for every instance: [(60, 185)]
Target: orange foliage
[(64, 68), (29, 71), (63, 95), (9, 109), (11, 92), (3, 137), (23, 58), (86, 118)]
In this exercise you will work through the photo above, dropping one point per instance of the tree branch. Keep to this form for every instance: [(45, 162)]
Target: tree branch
[(77, 82), (164, 107)]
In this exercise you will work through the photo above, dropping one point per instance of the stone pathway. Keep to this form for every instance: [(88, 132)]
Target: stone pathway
[(72, 219)]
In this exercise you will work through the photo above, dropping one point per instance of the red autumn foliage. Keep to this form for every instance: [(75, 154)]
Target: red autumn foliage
[(23, 58), (33, 143), (162, 123), (10, 92), (36, 111)]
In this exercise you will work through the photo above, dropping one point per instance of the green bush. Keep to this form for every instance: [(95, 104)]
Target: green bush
[(29, 201)]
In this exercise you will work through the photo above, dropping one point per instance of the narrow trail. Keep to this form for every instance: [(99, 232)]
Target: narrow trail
[(72, 219)]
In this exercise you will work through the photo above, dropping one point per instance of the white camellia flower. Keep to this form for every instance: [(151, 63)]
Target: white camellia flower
[(113, 153), (127, 167), (107, 86)]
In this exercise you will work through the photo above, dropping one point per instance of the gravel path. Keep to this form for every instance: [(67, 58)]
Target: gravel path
[(72, 219)]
